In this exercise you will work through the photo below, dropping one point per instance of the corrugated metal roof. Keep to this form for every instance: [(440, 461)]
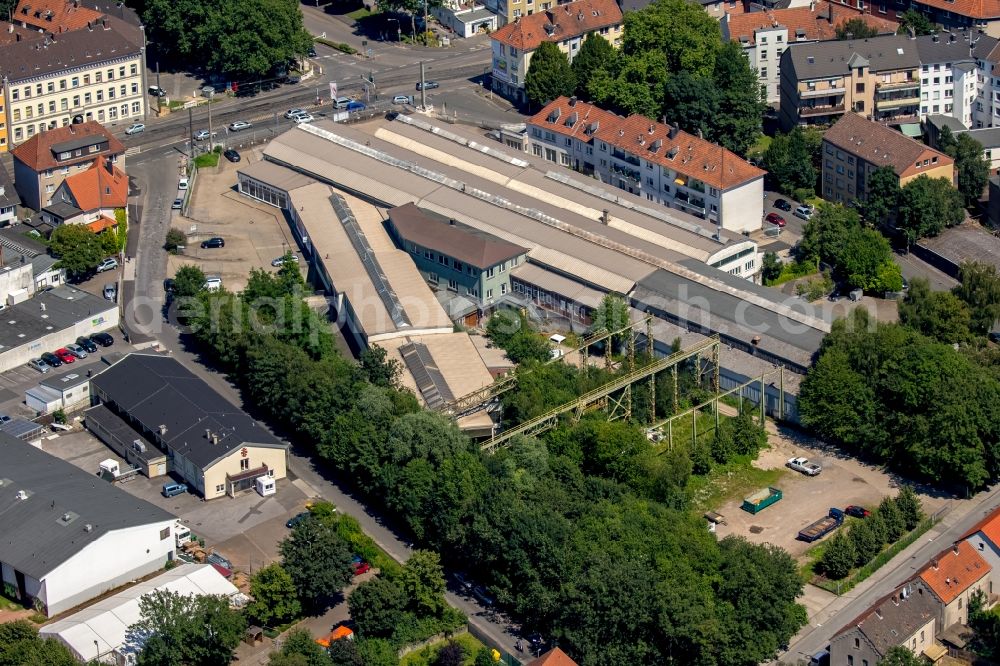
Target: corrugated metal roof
[(558, 284), (586, 273), (275, 175)]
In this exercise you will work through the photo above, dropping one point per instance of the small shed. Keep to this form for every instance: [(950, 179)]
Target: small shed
[(265, 485), (254, 635)]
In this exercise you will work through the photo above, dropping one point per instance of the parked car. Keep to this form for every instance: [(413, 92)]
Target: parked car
[(803, 465), (87, 344), (402, 99), (182, 184), (215, 241), (361, 567), (804, 212), (291, 113), (52, 360), (108, 264), (212, 284), (203, 134), (135, 128), (77, 350), (239, 126), (111, 291), (483, 596), (857, 511), (103, 339), (64, 355), (782, 204), (231, 155), (463, 582), (356, 106), (341, 102), (428, 85), (178, 204), (281, 260), (39, 364), (173, 489), (303, 118), (296, 519), (215, 558), (157, 91), (774, 218)]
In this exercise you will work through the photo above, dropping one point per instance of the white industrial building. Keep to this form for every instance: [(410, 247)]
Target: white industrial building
[(100, 631), (68, 391), (68, 536)]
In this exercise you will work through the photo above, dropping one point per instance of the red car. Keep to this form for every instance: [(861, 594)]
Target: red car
[(857, 511), (774, 218), (64, 355), (361, 567)]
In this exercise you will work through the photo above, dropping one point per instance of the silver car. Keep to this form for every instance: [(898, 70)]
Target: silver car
[(239, 125), (77, 350), (39, 364)]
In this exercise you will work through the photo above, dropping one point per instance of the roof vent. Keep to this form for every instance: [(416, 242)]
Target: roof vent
[(572, 100), (672, 132), (878, 613), (163, 430), (652, 128), (672, 153), (88, 528), (22, 494), (550, 29), (621, 132)]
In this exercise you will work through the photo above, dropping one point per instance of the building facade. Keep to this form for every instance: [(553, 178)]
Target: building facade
[(93, 73), (565, 25), (659, 162), (954, 577), (764, 35), (855, 147), (9, 199), (42, 163)]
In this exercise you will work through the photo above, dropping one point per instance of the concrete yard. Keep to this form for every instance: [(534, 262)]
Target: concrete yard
[(843, 481), (255, 233)]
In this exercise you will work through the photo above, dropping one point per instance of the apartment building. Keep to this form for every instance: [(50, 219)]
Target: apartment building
[(877, 77), (565, 25), (855, 147), (94, 73), (43, 162), (660, 162), (764, 35)]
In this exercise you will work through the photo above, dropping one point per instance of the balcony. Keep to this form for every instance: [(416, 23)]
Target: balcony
[(898, 85), (812, 111), (625, 157), (896, 101), (819, 92)]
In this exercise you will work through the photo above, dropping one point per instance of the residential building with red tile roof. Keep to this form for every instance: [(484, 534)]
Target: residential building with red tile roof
[(764, 35), (984, 537), (855, 147), (554, 657), (657, 161), (565, 25), (89, 197), (45, 160), (954, 576), (12, 33), (55, 16)]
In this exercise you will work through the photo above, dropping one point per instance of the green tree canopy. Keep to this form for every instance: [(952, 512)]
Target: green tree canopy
[(595, 54), (914, 20), (788, 160), (937, 314), (422, 579), (970, 162), (299, 649), (549, 75), (900, 655), (318, 561), (838, 557), (274, 595), (188, 281), (927, 206), (861, 257), (377, 606), (20, 645), (883, 195), (737, 120), (771, 267), (979, 288), (175, 630), (79, 249), (856, 28)]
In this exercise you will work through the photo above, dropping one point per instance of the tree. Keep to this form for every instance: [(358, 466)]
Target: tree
[(175, 629), (611, 315), (748, 437), (299, 649), (856, 28), (882, 195), (913, 20), (927, 206), (737, 121), (501, 327), (188, 281), (866, 542), (79, 249), (985, 627), (971, 164), (377, 605), (788, 160), (452, 654), (892, 518), (839, 557), (377, 652), (595, 53), (274, 596), (422, 579), (549, 75), (937, 314), (345, 653), (864, 260), (20, 645), (909, 507), (690, 102), (318, 560), (377, 368), (900, 655), (979, 288), (771, 268), (484, 658), (175, 239)]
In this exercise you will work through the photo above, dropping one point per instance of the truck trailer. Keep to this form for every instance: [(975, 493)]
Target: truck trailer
[(823, 526)]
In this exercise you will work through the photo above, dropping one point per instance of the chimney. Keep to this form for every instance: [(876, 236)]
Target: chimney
[(572, 100), (88, 528), (812, 5), (215, 438), (947, 581), (672, 132), (605, 217), (878, 613), (652, 128), (934, 564), (955, 549), (105, 21), (451, 221), (163, 430), (208, 433)]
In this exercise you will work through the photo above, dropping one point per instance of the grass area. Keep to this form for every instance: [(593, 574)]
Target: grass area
[(9, 604), (735, 479), (359, 13), (846, 585), (206, 160), (681, 430), (176, 104), (428, 655), (793, 271), (340, 46), (365, 546), (758, 149)]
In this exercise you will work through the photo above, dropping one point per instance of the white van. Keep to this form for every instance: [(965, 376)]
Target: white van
[(181, 534)]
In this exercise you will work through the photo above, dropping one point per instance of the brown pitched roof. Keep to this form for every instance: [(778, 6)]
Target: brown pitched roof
[(877, 144), (684, 153), (559, 23), (818, 24), (979, 9), (100, 186), (954, 571), (895, 617), (37, 152), (55, 15), (554, 657), (454, 239), (12, 34)]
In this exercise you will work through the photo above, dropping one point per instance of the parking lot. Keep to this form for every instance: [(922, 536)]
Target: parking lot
[(843, 481), (254, 233), (245, 529)]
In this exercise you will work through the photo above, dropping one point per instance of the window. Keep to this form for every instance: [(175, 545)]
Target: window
[(850, 660), (97, 77), (75, 82), (960, 603), (489, 293), (111, 74), (121, 72), (503, 267), (76, 101), (244, 463), (763, 55), (503, 288), (763, 72), (111, 93), (135, 108), (135, 88), (86, 98), (489, 272), (220, 488), (100, 95), (133, 70), (443, 260), (857, 643), (27, 92), (164, 534), (453, 284), (62, 84), (14, 95), (51, 87)]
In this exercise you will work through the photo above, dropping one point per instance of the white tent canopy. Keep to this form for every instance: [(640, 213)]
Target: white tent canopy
[(100, 628)]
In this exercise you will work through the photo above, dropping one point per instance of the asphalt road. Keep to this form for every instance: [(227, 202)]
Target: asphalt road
[(833, 618)]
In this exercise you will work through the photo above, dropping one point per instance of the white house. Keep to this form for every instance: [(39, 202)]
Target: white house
[(69, 538), (67, 392)]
